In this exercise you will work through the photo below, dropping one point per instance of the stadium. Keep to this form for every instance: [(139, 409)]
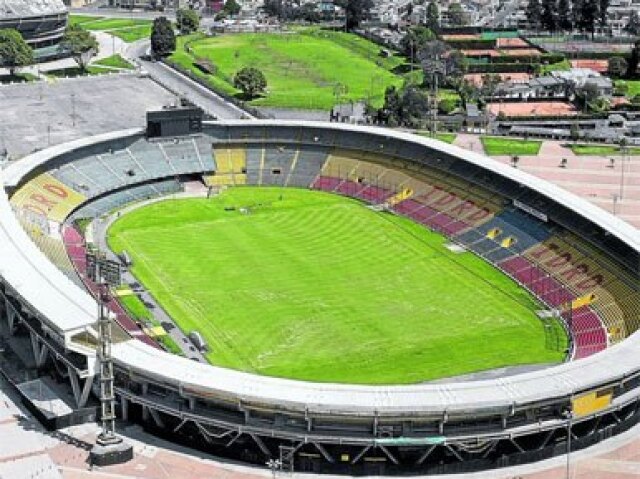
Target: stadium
[(566, 258), (41, 22)]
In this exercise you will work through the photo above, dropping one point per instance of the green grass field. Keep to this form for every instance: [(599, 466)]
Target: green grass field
[(633, 87), (114, 62), (318, 287), (107, 24), (602, 150), (445, 137), (80, 19), (498, 146), (127, 29), (132, 34), (302, 68)]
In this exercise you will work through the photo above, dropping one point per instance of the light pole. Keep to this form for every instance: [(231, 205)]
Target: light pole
[(568, 415), (274, 465), (623, 151)]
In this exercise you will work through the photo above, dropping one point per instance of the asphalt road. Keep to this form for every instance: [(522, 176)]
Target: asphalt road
[(184, 86)]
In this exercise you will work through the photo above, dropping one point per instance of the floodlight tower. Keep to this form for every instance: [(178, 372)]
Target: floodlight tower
[(107, 398), (109, 448)]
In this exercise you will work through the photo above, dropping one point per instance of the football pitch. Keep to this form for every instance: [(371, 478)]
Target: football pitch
[(308, 285)]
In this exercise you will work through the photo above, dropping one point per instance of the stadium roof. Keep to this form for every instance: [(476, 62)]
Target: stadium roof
[(30, 8)]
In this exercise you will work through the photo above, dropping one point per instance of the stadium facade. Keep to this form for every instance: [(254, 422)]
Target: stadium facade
[(41, 22), (583, 263)]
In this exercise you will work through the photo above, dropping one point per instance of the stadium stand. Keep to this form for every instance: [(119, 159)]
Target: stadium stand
[(306, 166), (589, 277), (113, 201)]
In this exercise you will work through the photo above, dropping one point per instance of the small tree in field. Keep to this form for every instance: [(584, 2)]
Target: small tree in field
[(250, 81), (81, 44), (163, 38), (187, 21), (14, 51)]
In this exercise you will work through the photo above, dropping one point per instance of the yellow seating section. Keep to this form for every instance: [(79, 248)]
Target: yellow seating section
[(592, 280), (46, 196), (231, 166)]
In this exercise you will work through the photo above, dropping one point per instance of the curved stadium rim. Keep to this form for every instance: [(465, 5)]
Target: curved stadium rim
[(613, 367)]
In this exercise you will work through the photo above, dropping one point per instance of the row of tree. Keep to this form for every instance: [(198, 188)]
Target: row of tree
[(567, 15)]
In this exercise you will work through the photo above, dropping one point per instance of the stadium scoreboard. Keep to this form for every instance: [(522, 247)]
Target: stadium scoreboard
[(174, 121), (101, 269)]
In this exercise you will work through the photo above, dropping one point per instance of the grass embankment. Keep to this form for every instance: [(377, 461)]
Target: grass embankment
[(303, 69), (317, 287)]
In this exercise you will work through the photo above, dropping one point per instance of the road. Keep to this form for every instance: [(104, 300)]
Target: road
[(183, 86)]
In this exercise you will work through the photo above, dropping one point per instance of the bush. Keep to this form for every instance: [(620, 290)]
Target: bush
[(447, 106)]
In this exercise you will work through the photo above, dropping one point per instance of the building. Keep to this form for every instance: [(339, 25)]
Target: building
[(41, 22), (148, 4)]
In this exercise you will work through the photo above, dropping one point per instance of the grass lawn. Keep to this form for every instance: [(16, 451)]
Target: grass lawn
[(446, 137), (632, 85), (139, 312), (302, 68), (601, 150), (132, 34), (498, 146), (106, 24), (80, 19), (114, 61), (318, 287), (563, 65)]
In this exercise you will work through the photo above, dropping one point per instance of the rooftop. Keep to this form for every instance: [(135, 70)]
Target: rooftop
[(30, 8)]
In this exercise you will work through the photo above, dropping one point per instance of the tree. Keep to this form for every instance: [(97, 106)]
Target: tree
[(391, 112), (457, 16), (433, 16), (490, 84), (617, 67), (565, 18), (307, 12), (231, 7), (251, 81), (163, 38), (356, 11), (415, 40), (447, 106), (633, 25), (467, 92), (187, 21), (586, 13), (534, 13), (548, 15), (603, 7), (634, 59), (81, 44), (14, 51)]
